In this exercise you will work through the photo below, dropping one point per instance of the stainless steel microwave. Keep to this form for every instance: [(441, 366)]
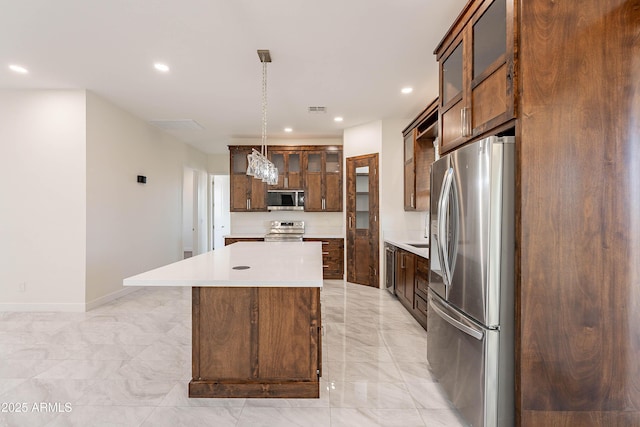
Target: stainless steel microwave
[(285, 200)]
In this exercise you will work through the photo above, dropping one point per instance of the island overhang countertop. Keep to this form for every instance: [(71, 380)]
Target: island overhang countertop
[(276, 264)]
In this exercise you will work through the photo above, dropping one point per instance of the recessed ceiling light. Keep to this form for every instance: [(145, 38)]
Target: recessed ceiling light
[(161, 67), (18, 69), (288, 130), (338, 119), (406, 90)]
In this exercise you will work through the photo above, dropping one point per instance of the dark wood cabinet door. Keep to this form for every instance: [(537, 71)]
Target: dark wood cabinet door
[(419, 153), (477, 72), (332, 191), (409, 171), (323, 180), (246, 192), (313, 193), (409, 279), (288, 338), (257, 195), (289, 164)]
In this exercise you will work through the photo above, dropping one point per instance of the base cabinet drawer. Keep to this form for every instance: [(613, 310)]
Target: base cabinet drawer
[(332, 257)]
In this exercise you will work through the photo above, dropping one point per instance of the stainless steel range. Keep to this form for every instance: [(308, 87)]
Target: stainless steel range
[(285, 231)]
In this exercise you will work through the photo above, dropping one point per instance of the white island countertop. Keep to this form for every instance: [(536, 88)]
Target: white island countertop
[(271, 264)]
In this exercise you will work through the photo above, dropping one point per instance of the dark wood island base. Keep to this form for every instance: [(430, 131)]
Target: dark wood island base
[(256, 342)]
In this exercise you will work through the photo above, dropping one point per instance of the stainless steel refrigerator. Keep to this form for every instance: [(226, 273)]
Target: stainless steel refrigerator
[(470, 341)]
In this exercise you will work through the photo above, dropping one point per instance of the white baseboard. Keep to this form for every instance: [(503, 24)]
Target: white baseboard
[(68, 307), (108, 298), (44, 306)]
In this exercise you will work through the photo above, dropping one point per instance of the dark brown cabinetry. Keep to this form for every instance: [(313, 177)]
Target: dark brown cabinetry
[(246, 193), (323, 180), (316, 169), (422, 285), (476, 63), (256, 342), (405, 277), (332, 257), (411, 284), (575, 85), (289, 164), (419, 153)]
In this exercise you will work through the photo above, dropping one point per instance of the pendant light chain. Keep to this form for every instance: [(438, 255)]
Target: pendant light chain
[(258, 164), (264, 108)]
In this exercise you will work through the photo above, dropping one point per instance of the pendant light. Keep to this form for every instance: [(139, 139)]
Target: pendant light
[(258, 165)]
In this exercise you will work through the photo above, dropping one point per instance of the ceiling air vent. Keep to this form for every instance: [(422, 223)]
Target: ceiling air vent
[(183, 124), (318, 110)]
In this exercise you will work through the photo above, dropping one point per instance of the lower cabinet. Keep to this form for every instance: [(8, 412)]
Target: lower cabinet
[(412, 280), (332, 257), (255, 342)]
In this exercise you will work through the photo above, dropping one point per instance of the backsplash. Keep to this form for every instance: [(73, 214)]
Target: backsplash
[(319, 223)]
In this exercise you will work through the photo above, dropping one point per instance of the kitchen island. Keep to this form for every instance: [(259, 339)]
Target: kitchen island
[(256, 324)]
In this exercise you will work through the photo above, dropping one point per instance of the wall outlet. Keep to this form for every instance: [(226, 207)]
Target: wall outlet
[(22, 287)]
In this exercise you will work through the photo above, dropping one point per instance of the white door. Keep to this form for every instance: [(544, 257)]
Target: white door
[(221, 209)]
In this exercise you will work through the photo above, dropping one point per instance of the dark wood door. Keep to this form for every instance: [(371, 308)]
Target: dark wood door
[(362, 220)]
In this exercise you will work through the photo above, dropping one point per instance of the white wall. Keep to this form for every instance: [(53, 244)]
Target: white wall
[(187, 210), (43, 196), (131, 227)]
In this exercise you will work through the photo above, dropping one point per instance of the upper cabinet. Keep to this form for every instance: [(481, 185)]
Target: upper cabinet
[(289, 164), (316, 169), (419, 153), (247, 194), (476, 60), (323, 179)]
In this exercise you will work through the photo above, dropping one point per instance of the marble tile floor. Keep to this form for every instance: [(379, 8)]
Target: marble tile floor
[(128, 363)]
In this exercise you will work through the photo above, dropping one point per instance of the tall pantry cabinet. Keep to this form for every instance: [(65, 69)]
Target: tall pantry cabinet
[(568, 86)]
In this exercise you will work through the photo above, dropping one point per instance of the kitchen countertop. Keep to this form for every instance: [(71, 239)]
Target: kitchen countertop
[(306, 236), (272, 264), (404, 241)]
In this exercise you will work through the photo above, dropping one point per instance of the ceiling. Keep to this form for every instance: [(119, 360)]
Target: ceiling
[(350, 56)]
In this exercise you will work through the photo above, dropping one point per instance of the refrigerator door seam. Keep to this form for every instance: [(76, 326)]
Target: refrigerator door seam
[(455, 323)]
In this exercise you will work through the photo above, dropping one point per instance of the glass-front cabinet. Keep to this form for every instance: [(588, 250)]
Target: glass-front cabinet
[(323, 180), (246, 193), (289, 164), (476, 72)]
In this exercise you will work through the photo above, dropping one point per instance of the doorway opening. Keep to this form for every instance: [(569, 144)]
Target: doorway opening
[(194, 212), (220, 218)]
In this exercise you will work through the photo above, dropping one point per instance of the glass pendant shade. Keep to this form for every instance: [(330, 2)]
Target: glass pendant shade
[(258, 165)]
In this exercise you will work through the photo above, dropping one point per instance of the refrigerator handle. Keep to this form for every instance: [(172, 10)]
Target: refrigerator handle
[(443, 224), (455, 323)]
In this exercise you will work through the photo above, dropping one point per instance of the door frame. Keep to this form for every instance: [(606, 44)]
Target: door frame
[(371, 160)]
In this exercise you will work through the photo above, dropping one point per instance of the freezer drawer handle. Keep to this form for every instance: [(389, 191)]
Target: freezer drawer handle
[(456, 324)]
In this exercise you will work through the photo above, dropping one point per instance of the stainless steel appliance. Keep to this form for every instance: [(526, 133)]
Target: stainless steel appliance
[(390, 268), (285, 200), (285, 231), (470, 343)]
